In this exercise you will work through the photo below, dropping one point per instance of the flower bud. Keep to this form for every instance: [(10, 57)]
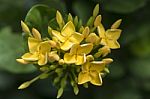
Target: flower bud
[(97, 21), (96, 10), (61, 62), (24, 85), (25, 27), (86, 32)]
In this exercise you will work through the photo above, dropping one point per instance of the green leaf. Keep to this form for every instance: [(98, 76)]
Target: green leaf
[(39, 17), (11, 48), (125, 6)]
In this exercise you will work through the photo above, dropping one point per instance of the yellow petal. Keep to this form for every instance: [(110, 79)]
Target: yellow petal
[(22, 61), (113, 34), (83, 77), (97, 66), (85, 48), (44, 47), (86, 67), (42, 59), (107, 60), (95, 78), (68, 29), (33, 44), (92, 38), (101, 31), (30, 57), (76, 38), (69, 58), (74, 49), (66, 45), (58, 35), (116, 24), (36, 34), (80, 59), (103, 42), (113, 44)]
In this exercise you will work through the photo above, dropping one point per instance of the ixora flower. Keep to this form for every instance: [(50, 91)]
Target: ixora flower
[(73, 52)]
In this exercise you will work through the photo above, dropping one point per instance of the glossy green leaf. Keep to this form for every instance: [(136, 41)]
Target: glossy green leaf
[(39, 16), (11, 48)]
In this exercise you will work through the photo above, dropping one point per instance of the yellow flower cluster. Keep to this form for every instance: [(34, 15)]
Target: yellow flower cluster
[(74, 51)]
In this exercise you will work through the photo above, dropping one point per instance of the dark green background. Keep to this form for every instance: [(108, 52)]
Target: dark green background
[(129, 76)]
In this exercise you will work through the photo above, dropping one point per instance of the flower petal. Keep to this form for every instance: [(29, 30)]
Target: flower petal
[(74, 49), (95, 78), (33, 44), (97, 66), (42, 59), (80, 59), (58, 35), (83, 77), (76, 37), (68, 29), (85, 48), (68, 58), (44, 47), (66, 45), (113, 44), (101, 31), (113, 34), (93, 38), (30, 57), (86, 67)]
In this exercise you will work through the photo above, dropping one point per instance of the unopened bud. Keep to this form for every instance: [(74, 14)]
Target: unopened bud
[(70, 17), (25, 27), (97, 21), (96, 10), (86, 32), (22, 61), (61, 62), (24, 85)]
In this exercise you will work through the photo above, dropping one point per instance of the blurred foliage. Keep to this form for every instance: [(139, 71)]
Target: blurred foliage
[(129, 76)]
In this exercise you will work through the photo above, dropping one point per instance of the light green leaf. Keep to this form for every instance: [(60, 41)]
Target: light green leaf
[(10, 49)]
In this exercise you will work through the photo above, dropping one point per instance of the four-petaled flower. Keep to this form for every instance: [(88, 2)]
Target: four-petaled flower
[(78, 54), (109, 37), (68, 36), (91, 72)]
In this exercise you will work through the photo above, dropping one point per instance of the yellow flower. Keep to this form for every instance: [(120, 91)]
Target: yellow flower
[(41, 55), (91, 72), (68, 36), (77, 54), (110, 36)]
